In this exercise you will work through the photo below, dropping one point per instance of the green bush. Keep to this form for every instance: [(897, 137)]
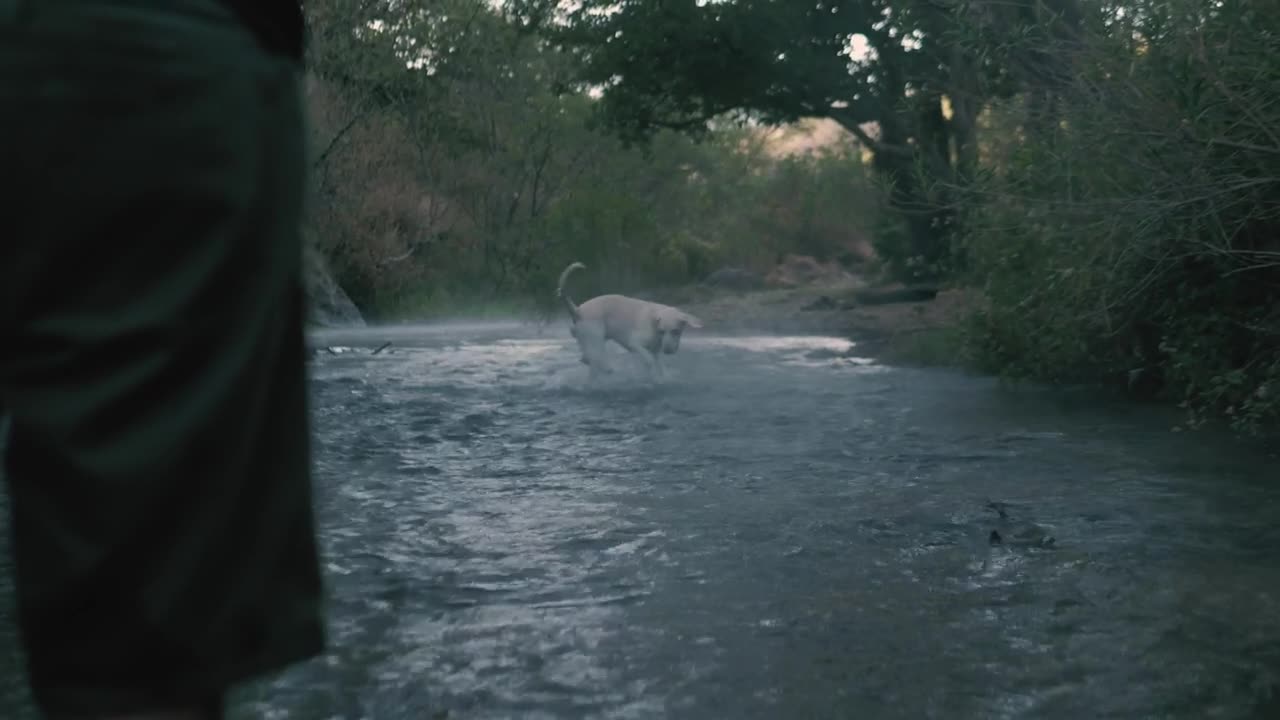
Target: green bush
[(1137, 233)]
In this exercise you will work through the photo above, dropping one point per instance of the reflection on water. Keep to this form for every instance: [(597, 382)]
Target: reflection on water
[(813, 351), (779, 529)]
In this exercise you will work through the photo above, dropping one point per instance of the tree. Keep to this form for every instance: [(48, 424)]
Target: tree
[(457, 164), (1133, 239), (679, 64), (908, 78)]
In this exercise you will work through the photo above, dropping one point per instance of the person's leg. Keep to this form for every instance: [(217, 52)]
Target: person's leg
[(151, 311)]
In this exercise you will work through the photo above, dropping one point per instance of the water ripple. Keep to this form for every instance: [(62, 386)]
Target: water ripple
[(781, 529)]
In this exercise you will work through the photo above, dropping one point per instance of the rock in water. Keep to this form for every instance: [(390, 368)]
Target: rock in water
[(1017, 533)]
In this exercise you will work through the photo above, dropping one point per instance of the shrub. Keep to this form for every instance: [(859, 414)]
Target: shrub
[(1137, 233)]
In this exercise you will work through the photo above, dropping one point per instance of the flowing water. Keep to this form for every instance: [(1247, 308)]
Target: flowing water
[(779, 530)]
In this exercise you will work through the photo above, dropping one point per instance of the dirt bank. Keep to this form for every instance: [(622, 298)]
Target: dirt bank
[(901, 332)]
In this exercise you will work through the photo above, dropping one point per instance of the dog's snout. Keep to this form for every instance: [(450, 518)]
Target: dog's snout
[(671, 341)]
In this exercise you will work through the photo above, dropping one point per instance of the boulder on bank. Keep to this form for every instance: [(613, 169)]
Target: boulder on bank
[(822, 302), (803, 270), (889, 295), (734, 278), (328, 304)]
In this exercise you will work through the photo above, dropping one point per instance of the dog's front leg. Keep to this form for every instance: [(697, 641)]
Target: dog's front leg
[(594, 374), (650, 363)]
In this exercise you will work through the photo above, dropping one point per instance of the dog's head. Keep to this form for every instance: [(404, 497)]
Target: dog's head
[(669, 325)]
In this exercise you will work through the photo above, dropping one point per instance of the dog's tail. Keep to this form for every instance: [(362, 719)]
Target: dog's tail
[(564, 277)]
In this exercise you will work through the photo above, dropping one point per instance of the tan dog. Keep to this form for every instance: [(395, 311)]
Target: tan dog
[(647, 329)]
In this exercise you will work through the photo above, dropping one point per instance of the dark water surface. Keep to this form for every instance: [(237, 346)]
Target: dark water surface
[(772, 533)]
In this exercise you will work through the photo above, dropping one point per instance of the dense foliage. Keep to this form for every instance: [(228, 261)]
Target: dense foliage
[(896, 64), (458, 163), (1136, 237)]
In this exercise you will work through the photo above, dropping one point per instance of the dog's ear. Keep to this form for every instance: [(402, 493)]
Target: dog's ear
[(668, 322)]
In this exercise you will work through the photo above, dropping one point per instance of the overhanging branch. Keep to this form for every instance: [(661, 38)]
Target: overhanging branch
[(337, 137)]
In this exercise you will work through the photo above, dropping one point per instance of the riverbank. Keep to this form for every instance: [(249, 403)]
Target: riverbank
[(901, 333)]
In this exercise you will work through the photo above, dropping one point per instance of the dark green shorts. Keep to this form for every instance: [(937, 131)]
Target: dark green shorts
[(152, 352)]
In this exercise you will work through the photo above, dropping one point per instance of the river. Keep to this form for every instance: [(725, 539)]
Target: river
[(779, 530)]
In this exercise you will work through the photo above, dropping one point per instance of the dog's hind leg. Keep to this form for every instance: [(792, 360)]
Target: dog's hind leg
[(591, 343)]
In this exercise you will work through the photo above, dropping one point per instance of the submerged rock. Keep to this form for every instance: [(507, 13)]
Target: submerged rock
[(1025, 535), (1017, 533)]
